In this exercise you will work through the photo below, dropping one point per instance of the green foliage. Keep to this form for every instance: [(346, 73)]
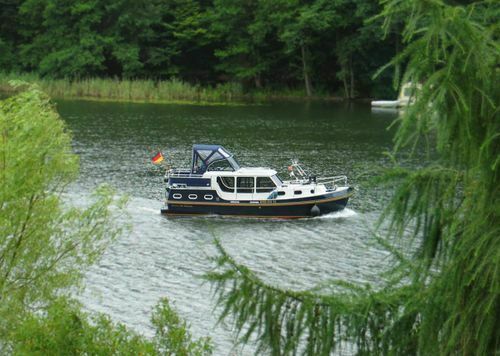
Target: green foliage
[(172, 335), (68, 45), (46, 245), (6, 55), (64, 329), (316, 323), (82, 39), (173, 90), (260, 45), (443, 297), (454, 202), (249, 50), (43, 246)]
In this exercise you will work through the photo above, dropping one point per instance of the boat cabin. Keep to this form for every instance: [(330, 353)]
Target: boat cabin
[(245, 183), (213, 167)]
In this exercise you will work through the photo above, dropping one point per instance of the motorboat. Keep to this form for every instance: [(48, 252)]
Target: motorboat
[(406, 97), (217, 185)]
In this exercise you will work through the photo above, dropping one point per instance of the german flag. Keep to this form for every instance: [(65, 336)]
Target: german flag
[(158, 158)]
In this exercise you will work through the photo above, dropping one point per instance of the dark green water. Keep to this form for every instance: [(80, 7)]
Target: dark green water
[(165, 256)]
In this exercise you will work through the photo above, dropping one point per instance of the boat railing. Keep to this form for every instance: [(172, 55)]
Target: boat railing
[(181, 173), (332, 180), (329, 182)]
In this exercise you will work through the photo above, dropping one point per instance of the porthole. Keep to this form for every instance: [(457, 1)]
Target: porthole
[(208, 197), (297, 192), (177, 196), (281, 193), (192, 196)]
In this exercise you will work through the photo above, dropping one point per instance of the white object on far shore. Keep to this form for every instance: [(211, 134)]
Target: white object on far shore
[(406, 97)]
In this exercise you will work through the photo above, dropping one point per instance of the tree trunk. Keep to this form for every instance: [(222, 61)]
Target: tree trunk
[(346, 87), (258, 81), (351, 72), (305, 69)]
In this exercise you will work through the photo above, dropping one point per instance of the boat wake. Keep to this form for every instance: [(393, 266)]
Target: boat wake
[(345, 213), (150, 210)]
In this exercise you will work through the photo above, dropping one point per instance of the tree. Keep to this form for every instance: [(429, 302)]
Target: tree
[(64, 329), (46, 244), (121, 38), (358, 42), (445, 297), (247, 38), (299, 26), (43, 247), (61, 38), (154, 39), (184, 34), (8, 33)]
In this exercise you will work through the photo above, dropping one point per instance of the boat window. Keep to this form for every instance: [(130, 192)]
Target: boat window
[(265, 184), (223, 165), (297, 192), (277, 180), (245, 185), (281, 193), (226, 184), (198, 166)]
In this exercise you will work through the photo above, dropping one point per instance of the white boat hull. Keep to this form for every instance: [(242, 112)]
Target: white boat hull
[(387, 104)]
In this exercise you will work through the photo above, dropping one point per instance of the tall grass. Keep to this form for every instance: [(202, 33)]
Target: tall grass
[(173, 90)]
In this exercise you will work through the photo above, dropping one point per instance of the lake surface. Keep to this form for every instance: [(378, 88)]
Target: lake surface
[(164, 257)]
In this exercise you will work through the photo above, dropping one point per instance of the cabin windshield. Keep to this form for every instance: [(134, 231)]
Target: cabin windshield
[(212, 157), (277, 180)]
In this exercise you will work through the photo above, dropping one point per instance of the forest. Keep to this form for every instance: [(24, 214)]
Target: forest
[(319, 47)]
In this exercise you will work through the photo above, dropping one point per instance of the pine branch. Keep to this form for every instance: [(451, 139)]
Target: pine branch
[(286, 321)]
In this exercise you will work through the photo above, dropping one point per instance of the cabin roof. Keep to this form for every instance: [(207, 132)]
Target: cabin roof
[(246, 171), (205, 155), (199, 147)]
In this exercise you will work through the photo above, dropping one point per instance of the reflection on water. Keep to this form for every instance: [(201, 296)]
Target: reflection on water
[(166, 256)]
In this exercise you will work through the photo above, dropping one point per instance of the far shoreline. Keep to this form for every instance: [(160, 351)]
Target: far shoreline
[(160, 92)]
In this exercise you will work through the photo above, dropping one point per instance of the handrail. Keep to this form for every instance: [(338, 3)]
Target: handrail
[(333, 179), (182, 173), (322, 180)]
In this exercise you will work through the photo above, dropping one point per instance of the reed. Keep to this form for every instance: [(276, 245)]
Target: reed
[(128, 90), (147, 90)]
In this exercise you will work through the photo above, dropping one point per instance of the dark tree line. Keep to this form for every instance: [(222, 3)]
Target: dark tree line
[(320, 46)]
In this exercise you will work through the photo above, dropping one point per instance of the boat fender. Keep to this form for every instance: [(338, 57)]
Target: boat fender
[(315, 211)]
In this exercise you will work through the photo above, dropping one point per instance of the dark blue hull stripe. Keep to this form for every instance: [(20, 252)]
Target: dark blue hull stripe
[(289, 208), (184, 195), (260, 203), (259, 210)]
